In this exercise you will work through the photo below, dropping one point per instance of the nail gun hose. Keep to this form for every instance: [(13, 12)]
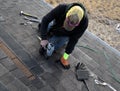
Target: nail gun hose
[(85, 85)]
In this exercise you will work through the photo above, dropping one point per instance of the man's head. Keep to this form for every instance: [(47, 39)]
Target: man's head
[(74, 16)]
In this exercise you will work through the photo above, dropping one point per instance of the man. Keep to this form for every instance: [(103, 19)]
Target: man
[(66, 23)]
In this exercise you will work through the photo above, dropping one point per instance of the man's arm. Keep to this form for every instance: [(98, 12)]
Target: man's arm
[(75, 37), (71, 44), (53, 14)]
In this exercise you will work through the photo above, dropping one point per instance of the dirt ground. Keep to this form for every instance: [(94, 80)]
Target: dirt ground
[(104, 16)]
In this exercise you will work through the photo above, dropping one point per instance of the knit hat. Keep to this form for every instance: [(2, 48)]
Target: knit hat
[(77, 13)]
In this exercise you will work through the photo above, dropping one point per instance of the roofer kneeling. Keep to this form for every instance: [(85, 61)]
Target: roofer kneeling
[(65, 24)]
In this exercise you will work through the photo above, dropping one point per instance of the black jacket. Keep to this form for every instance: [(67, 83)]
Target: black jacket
[(58, 14)]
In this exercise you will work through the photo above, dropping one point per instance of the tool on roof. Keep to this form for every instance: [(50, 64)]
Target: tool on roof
[(104, 84), (28, 15), (47, 51), (32, 20), (100, 81)]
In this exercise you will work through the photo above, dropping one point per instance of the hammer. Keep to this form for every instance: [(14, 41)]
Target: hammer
[(26, 14)]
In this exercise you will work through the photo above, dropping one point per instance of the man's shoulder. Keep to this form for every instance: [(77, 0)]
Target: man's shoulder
[(62, 5)]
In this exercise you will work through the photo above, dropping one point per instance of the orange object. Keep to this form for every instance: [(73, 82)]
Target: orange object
[(65, 63)]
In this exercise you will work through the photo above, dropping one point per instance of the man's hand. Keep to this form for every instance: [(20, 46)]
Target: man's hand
[(44, 43), (64, 61)]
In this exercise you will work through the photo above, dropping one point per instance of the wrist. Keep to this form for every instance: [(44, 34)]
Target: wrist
[(65, 56)]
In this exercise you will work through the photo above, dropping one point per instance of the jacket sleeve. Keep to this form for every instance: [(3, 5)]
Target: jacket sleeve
[(75, 37), (71, 44), (52, 15)]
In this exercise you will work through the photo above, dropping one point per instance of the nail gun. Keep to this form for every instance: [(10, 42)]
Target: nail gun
[(47, 51)]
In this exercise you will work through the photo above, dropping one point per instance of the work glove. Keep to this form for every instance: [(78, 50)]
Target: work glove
[(43, 43), (64, 61)]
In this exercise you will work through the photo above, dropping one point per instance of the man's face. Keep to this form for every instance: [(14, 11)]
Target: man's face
[(72, 20)]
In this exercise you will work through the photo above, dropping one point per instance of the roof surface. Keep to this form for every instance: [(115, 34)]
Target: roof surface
[(23, 69)]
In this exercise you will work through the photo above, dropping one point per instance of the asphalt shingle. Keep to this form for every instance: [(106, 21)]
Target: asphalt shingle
[(49, 76)]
